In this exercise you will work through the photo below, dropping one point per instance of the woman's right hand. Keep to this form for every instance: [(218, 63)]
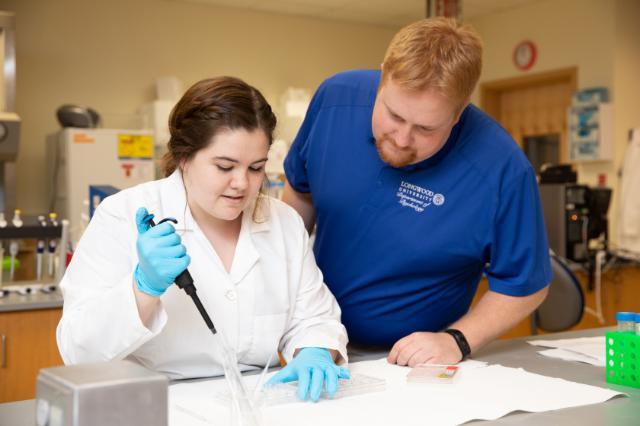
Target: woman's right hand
[(161, 256)]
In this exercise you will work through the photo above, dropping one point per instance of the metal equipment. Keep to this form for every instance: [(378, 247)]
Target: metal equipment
[(77, 116), (9, 120), (101, 394), (565, 214), (575, 214)]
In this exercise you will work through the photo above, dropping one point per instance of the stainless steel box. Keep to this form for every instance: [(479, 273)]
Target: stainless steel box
[(110, 393)]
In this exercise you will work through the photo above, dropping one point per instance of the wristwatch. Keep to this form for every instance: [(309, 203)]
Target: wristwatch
[(463, 345)]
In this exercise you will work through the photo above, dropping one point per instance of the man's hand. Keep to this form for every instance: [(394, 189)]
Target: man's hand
[(425, 348)]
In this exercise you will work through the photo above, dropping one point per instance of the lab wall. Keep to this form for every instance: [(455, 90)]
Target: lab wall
[(599, 37), (108, 54)]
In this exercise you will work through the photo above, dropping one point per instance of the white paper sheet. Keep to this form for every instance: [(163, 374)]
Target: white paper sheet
[(481, 392), (571, 356), (590, 350)]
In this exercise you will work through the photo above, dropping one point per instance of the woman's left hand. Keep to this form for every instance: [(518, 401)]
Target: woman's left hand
[(314, 369)]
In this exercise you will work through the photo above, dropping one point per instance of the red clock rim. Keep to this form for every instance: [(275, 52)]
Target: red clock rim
[(534, 55)]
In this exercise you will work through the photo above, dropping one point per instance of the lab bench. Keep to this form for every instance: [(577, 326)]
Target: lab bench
[(515, 353), (27, 341), (29, 302)]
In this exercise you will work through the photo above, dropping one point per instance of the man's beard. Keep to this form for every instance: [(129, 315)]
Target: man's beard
[(395, 156)]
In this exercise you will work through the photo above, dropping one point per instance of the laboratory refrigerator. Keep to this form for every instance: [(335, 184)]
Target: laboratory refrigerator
[(79, 158)]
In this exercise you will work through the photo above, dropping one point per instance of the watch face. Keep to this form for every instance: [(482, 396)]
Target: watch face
[(524, 55)]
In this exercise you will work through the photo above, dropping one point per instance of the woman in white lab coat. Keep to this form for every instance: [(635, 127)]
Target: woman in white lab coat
[(248, 254)]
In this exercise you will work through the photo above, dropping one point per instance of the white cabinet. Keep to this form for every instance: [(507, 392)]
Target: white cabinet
[(590, 132)]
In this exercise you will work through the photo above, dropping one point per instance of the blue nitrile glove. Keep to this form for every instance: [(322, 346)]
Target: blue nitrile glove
[(161, 256), (312, 368)]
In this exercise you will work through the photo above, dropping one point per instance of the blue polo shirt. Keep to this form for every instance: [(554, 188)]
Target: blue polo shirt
[(403, 249)]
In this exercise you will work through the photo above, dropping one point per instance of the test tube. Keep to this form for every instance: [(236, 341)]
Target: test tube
[(39, 258), (626, 322), (40, 246), (13, 252)]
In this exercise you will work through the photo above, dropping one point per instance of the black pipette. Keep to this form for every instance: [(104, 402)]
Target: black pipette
[(185, 280)]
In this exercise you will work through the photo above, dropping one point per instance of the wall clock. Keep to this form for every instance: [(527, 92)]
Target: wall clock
[(524, 55)]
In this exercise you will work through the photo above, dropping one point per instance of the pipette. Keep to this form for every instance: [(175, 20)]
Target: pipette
[(17, 219), (13, 252), (13, 245), (185, 280), (39, 259), (40, 246), (53, 218)]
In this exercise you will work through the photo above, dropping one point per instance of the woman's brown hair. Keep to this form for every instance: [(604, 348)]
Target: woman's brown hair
[(211, 106)]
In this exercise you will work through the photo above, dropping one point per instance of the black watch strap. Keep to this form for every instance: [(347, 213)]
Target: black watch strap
[(463, 345)]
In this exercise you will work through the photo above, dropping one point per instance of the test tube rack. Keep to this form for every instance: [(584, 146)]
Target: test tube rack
[(31, 228), (623, 358)]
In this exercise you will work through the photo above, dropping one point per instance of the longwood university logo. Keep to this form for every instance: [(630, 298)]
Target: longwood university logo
[(417, 197)]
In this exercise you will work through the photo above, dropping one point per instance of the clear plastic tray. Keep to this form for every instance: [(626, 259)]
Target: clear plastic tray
[(433, 373), (286, 393)]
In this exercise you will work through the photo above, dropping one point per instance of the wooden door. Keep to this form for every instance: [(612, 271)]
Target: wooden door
[(29, 339), (533, 105)]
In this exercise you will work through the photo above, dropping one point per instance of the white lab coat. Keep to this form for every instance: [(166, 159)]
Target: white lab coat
[(629, 207), (272, 299)]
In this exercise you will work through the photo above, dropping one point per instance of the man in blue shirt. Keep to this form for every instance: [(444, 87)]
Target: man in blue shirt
[(415, 194)]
